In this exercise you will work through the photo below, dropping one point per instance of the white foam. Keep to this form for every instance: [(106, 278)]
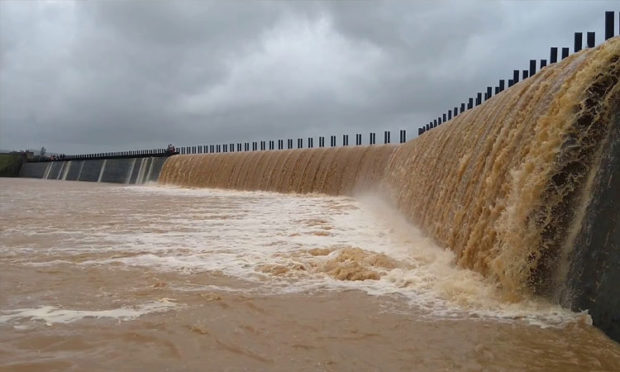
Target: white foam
[(51, 314), (239, 233)]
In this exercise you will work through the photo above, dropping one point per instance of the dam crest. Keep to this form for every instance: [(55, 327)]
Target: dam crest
[(508, 186)]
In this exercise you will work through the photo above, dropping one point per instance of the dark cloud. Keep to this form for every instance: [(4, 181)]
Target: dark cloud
[(113, 75)]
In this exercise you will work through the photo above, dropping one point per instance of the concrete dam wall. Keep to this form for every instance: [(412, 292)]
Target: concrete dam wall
[(127, 170), (523, 188)]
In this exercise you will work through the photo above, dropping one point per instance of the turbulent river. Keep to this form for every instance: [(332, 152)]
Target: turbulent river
[(112, 277)]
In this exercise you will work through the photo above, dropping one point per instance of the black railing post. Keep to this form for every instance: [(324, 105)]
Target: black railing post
[(532, 67), (420, 131), (525, 74), (470, 104), (609, 25), (403, 136), (386, 137), (345, 140), (591, 39), (449, 115), (489, 92), (565, 52), (332, 141), (543, 63), (371, 138), (300, 143), (321, 141), (455, 111), (553, 55), (462, 107), (515, 76), (478, 98), (310, 142), (578, 41), (289, 143)]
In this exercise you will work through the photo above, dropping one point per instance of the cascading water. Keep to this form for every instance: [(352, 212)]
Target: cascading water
[(102, 170), (505, 185), (133, 165), (339, 171), (501, 185)]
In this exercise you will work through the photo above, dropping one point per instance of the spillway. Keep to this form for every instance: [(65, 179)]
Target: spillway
[(522, 188), (333, 171)]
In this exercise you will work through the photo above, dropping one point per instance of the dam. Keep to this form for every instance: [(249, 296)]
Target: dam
[(137, 170), (489, 242), (523, 188)]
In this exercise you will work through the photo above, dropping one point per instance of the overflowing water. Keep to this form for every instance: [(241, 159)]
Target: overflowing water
[(450, 252), (102, 276), (504, 186)]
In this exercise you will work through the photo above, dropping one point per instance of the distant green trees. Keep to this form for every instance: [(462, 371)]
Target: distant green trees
[(10, 164)]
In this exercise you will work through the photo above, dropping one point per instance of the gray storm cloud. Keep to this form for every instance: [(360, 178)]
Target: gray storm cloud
[(105, 76)]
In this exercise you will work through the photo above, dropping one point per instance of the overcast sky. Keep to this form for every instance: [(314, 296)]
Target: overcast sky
[(91, 76)]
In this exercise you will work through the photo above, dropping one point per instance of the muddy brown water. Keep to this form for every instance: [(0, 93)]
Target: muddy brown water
[(109, 277)]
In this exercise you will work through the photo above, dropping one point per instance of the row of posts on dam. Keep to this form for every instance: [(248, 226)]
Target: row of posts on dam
[(280, 144), (524, 74), (556, 53)]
